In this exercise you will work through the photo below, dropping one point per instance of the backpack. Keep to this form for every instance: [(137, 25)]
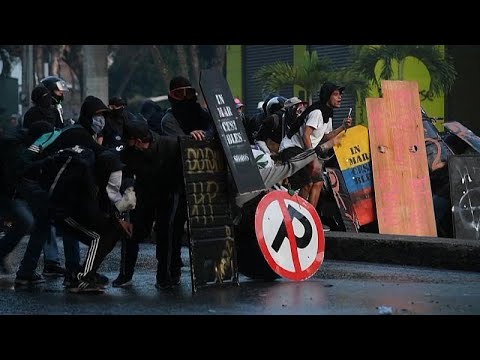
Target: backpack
[(31, 158), (68, 177), (43, 141)]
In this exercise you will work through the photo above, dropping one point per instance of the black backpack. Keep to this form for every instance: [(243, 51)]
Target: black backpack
[(68, 176)]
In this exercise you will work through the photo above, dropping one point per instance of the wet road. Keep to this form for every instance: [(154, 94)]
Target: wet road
[(346, 288)]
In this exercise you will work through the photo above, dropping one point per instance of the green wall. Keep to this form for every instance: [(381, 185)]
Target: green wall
[(413, 70), (298, 54), (234, 70)]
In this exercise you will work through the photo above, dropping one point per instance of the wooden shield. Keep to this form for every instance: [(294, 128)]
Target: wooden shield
[(403, 195)]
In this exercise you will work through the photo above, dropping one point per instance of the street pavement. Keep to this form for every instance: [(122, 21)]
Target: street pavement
[(340, 287)]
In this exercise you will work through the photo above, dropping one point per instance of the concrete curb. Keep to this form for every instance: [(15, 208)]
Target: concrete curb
[(433, 252)]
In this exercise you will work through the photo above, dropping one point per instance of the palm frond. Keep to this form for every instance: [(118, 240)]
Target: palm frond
[(309, 74), (274, 76), (440, 67)]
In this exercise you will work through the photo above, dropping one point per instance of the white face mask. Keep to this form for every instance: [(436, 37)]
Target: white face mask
[(98, 123)]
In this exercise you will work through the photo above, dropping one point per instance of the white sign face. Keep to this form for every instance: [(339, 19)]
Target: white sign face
[(290, 235)]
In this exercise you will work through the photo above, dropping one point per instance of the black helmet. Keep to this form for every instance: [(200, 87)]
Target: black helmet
[(55, 83), (275, 104)]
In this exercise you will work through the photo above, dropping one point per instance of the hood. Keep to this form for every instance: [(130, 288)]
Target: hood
[(149, 108), (91, 106), (41, 96)]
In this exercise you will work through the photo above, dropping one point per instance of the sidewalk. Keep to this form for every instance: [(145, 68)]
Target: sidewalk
[(404, 250)]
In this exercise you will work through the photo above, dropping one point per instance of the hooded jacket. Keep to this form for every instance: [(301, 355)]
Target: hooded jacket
[(90, 107), (158, 168), (42, 110)]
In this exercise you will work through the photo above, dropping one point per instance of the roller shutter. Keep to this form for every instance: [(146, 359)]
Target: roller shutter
[(254, 57), (339, 56)]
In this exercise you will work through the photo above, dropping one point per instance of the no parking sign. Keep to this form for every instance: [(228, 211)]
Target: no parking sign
[(290, 235)]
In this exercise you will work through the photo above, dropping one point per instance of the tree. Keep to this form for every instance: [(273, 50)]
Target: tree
[(9, 56), (182, 60), (310, 74), (439, 65), (195, 63), (218, 60)]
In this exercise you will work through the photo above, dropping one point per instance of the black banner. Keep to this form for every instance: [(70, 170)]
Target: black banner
[(464, 174), (437, 151), (210, 227), (231, 131), (457, 129)]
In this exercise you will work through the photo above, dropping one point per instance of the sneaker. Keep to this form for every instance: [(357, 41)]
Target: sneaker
[(122, 281), (168, 284), (85, 287), (326, 227), (70, 280), (164, 285), (101, 280), (176, 280), (31, 279), (53, 270)]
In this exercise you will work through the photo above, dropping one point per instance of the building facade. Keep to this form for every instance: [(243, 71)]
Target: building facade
[(243, 61)]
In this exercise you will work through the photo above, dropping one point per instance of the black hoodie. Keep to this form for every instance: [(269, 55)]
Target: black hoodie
[(11, 148), (153, 114), (91, 106), (79, 134), (42, 110), (107, 162)]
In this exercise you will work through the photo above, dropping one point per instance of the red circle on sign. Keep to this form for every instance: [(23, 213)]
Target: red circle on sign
[(290, 255)]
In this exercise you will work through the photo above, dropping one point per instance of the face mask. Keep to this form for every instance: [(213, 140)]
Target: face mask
[(58, 98), (300, 109), (98, 122), (117, 112)]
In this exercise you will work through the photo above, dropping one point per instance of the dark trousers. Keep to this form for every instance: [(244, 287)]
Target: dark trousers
[(100, 238), (168, 212), (169, 248), (18, 212), (38, 201)]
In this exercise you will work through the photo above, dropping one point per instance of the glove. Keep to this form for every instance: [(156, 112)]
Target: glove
[(128, 201)]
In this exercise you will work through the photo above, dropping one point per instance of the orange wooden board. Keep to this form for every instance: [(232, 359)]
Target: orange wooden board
[(400, 171)]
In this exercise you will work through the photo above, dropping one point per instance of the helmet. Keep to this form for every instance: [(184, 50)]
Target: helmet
[(275, 104), (54, 83), (266, 100)]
